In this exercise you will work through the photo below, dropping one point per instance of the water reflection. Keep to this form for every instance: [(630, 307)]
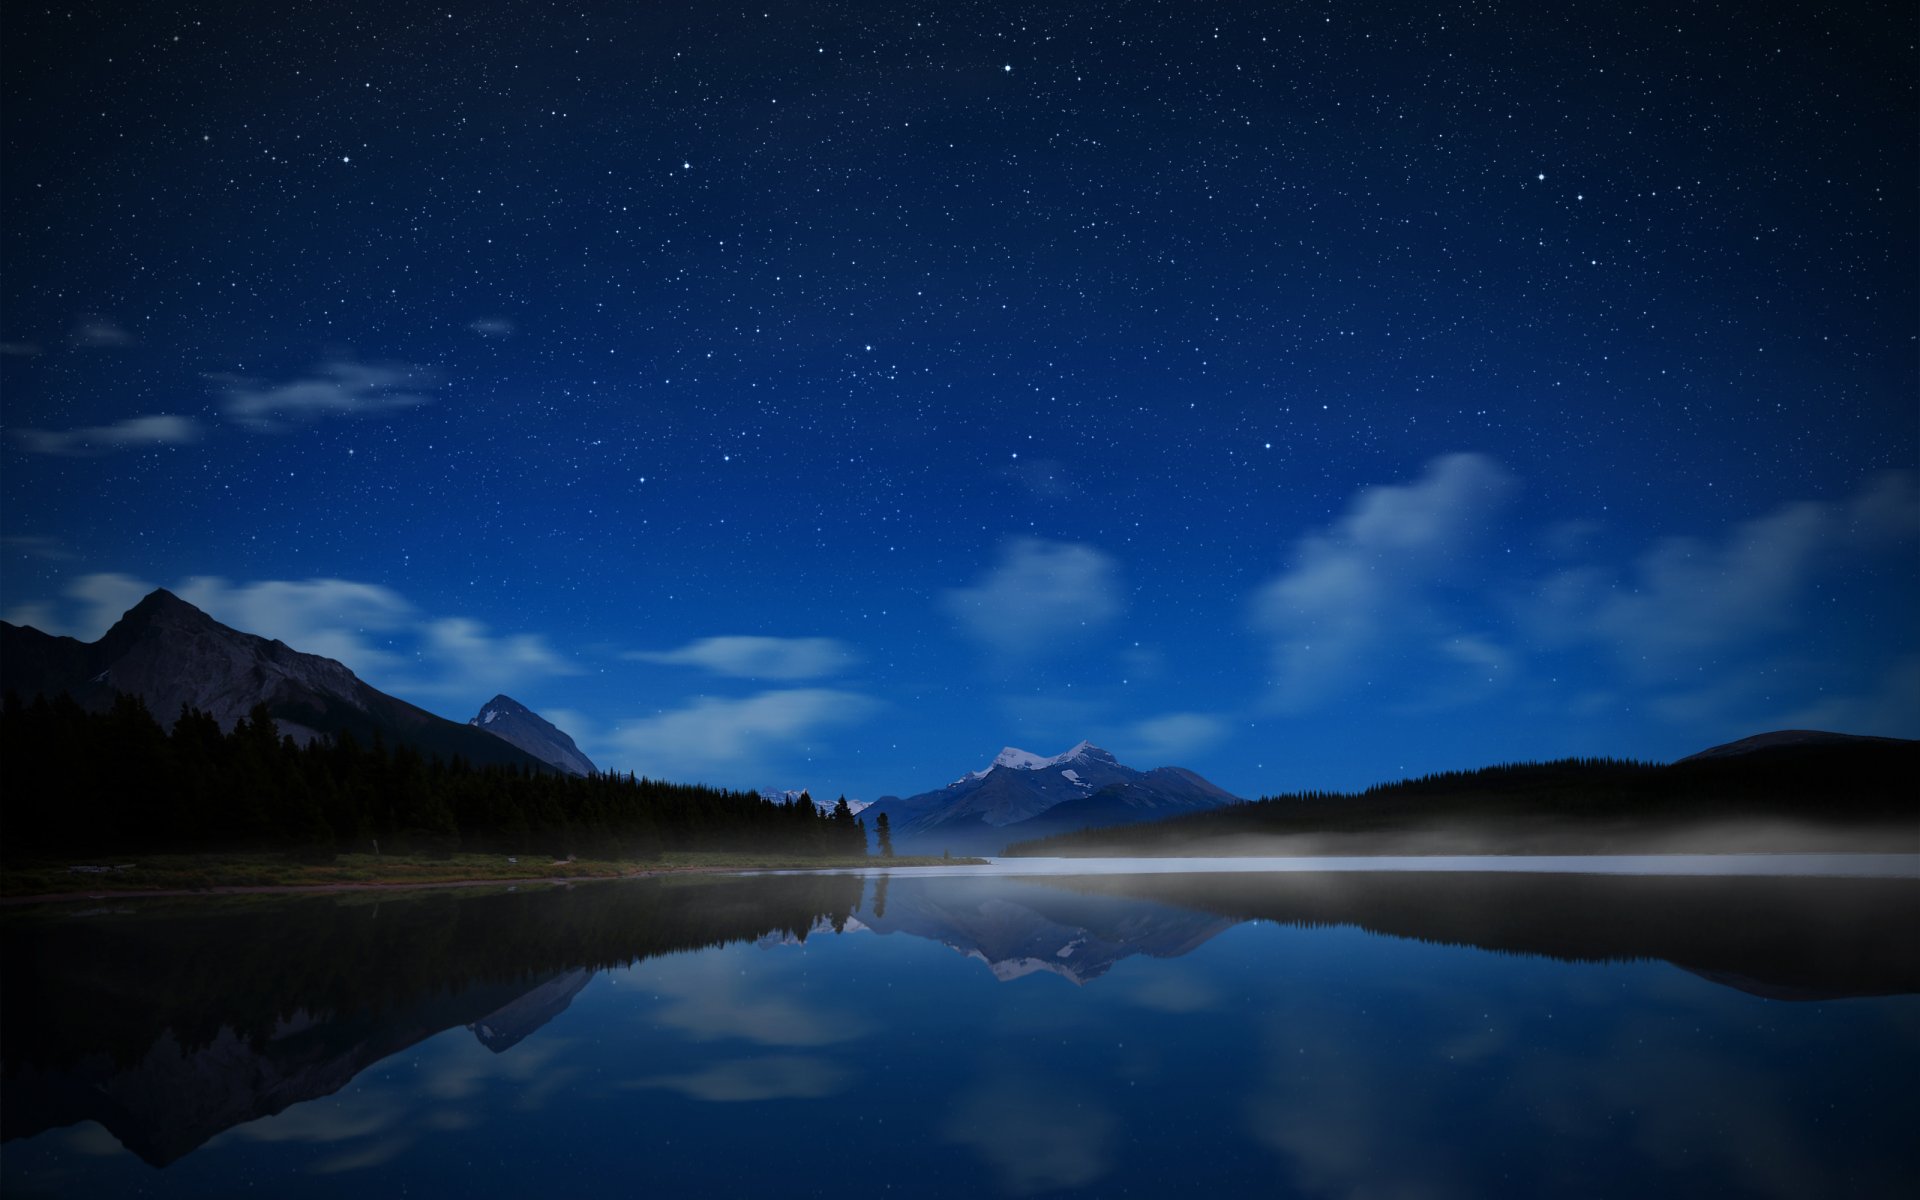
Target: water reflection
[(1220, 1033)]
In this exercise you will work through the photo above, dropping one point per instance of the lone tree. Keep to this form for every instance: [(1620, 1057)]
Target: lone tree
[(883, 829)]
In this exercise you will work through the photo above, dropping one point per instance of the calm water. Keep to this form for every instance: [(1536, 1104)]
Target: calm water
[(1315, 1034)]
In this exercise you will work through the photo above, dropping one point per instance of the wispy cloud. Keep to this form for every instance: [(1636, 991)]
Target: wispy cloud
[(19, 349), (758, 657), (711, 737), (51, 549), (339, 387), (93, 440), (1039, 598), (498, 327), (1371, 581), (100, 333), (1158, 741), (1686, 596)]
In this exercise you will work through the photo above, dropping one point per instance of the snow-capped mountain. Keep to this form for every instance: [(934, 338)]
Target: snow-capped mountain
[(511, 721), (787, 796), (1021, 794)]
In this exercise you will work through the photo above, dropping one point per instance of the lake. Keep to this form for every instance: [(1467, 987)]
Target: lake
[(1153, 1032)]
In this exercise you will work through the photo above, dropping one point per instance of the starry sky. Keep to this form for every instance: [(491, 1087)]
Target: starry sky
[(828, 394)]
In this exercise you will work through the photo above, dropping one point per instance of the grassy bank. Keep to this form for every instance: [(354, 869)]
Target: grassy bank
[(201, 872)]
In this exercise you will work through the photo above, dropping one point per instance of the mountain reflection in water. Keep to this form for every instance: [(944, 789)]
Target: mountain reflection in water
[(169, 1023)]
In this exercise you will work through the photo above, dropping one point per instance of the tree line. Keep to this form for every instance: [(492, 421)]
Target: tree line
[(117, 781)]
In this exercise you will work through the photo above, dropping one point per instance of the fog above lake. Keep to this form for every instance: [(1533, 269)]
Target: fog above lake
[(1852, 866)]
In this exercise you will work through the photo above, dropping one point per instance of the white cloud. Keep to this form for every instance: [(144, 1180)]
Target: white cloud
[(732, 735), (100, 333), (1365, 585), (1157, 741), (492, 327), (159, 430), (758, 657), (1040, 597), (338, 387)]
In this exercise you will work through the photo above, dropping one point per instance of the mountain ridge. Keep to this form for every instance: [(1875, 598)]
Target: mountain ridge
[(172, 655)]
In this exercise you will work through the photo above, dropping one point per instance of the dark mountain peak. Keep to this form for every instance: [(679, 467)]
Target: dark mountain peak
[(502, 705), (162, 607)]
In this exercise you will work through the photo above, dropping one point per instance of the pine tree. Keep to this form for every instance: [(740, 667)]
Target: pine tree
[(883, 829)]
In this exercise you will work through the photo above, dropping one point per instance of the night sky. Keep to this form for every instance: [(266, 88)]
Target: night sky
[(828, 394)]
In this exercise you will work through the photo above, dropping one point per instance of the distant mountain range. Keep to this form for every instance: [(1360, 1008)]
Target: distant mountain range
[(788, 795), (170, 654), (1022, 795)]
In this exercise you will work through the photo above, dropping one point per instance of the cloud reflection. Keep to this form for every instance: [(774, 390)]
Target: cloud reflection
[(1035, 1133), (782, 1077)]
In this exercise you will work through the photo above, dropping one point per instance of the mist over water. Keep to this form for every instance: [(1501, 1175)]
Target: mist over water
[(1857, 866)]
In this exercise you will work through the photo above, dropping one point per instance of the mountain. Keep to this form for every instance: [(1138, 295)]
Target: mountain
[(1021, 795), (515, 723), (169, 653)]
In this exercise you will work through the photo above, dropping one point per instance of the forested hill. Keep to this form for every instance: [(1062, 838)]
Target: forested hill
[(89, 783), (1845, 793)]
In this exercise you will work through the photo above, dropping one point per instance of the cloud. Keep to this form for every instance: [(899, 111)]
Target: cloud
[(782, 1077), (336, 388), (19, 349), (100, 333), (52, 549), (1376, 577), (95, 602), (492, 327), (1690, 596), (1040, 597), (159, 430), (379, 634), (1159, 739), (758, 657), (465, 660), (734, 735)]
